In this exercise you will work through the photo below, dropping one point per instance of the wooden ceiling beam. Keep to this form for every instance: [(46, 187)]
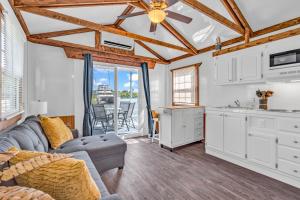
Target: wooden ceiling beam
[(61, 33), (103, 49), (171, 30), (214, 15), (107, 58), (99, 27), (68, 3), (97, 39), (276, 27), (231, 12), (127, 11), (260, 41), (20, 18), (142, 44), (240, 15)]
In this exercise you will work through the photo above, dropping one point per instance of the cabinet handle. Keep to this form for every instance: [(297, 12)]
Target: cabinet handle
[(296, 142), (296, 157), (296, 126), (296, 171)]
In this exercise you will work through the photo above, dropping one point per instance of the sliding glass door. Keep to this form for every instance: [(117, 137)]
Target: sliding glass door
[(115, 112)]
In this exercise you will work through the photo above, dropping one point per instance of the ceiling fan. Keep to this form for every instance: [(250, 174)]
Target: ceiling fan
[(158, 13)]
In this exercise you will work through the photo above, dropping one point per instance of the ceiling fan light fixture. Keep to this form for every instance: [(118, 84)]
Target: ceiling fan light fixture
[(157, 15)]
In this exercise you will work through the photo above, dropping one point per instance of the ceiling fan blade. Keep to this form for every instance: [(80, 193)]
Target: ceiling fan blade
[(179, 17), (171, 2), (132, 15), (153, 27)]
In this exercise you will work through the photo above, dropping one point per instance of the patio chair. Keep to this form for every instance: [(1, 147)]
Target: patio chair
[(101, 116), (126, 116)]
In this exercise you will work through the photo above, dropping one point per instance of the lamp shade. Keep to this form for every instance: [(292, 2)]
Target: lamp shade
[(39, 107)]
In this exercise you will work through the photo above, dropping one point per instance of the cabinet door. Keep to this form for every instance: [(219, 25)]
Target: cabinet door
[(178, 128), (214, 130), (261, 148), (235, 135), (188, 125), (222, 70), (250, 66)]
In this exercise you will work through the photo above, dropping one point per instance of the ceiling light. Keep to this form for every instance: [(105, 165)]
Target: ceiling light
[(157, 15)]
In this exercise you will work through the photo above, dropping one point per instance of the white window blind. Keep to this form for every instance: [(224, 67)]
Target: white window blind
[(184, 87), (11, 71)]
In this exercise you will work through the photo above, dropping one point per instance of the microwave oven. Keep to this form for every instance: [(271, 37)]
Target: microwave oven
[(285, 59)]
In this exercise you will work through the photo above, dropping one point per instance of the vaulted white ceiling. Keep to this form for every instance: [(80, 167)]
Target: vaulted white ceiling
[(201, 32)]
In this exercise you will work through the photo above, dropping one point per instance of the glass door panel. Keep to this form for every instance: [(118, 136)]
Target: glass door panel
[(103, 100), (128, 94)]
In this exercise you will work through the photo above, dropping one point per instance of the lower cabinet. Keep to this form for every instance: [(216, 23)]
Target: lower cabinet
[(266, 143), (235, 135), (181, 126), (226, 132), (261, 149), (214, 131)]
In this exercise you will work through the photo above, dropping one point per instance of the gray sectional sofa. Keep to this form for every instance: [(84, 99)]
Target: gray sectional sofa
[(101, 153)]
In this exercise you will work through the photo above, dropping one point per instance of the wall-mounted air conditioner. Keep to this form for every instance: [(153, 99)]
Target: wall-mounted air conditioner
[(117, 41)]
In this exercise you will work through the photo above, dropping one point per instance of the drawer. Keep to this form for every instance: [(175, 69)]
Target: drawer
[(289, 167), (262, 122), (292, 125), (288, 153), (291, 140)]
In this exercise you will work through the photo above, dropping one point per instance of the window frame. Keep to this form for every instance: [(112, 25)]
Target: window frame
[(196, 85), (14, 115)]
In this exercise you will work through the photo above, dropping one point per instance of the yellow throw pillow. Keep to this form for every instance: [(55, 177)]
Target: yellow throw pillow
[(56, 131), (67, 179)]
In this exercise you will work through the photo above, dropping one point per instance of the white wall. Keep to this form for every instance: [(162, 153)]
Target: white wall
[(50, 78), (286, 95)]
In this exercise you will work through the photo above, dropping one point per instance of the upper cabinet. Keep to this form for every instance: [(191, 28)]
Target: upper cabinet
[(240, 67)]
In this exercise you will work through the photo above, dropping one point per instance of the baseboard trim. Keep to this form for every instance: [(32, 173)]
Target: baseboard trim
[(272, 173)]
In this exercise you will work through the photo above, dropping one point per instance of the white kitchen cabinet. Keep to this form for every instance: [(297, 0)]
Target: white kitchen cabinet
[(226, 70), (262, 141), (250, 68), (235, 135), (261, 149), (226, 132), (214, 130), (181, 125), (239, 68)]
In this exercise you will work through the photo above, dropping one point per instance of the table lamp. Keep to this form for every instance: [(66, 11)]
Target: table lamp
[(39, 107)]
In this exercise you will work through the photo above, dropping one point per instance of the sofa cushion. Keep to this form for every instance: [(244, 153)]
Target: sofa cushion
[(56, 131), (65, 179), (106, 151), (96, 146), (82, 155), (34, 123), (25, 137)]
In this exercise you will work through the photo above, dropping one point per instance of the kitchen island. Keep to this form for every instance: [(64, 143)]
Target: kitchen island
[(181, 125)]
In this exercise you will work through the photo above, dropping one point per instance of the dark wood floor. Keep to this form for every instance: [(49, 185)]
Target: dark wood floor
[(152, 173)]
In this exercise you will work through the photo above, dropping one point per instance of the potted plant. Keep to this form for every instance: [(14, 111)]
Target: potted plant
[(263, 98)]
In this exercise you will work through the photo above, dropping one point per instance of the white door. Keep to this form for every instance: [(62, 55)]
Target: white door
[(261, 148), (178, 128), (214, 130), (235, 135), (222, 70), (250, 65)]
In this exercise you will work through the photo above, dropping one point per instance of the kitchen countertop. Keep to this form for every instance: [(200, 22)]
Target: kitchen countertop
[(181, 107), (249, 111)]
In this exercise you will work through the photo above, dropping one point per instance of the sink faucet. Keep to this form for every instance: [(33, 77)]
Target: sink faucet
[(237, 103)]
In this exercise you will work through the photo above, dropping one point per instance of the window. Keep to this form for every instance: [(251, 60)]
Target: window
[(186, 86), (11, 71)]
